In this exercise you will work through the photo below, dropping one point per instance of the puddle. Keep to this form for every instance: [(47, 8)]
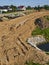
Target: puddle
[(44, 47)]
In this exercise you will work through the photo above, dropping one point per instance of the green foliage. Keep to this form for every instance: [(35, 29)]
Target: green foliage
[(35, 8), (29, 8), (47, 53), (37, 31), (46, 7), (13, 8), (38, 8), (32, 63), (47, 63), (47, 18), (44, 32)]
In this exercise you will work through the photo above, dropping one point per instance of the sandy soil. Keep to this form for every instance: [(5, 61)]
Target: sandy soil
[(13, 46)]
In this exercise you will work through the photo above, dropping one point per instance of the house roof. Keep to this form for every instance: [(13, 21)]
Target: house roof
[(21, 6), (4, 7)]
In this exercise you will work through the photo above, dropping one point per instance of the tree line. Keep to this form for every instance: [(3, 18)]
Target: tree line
[(46, 7)]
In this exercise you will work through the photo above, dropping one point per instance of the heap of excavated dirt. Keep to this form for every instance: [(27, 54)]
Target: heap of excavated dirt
[(14, 48)]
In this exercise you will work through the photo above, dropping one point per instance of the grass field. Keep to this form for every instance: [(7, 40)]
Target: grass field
[(44, 32)]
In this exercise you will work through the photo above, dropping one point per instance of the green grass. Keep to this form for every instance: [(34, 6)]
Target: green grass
[(32, 63), (46, 17), (37, 31), (44, 32), (47, 53), (47, 63)]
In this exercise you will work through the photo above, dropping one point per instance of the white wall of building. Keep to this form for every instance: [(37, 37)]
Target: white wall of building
[(3, 10)]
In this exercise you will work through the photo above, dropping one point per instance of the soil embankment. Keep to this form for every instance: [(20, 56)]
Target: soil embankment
[(13, 46)]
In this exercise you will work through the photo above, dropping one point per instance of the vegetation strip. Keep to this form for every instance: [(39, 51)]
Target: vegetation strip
[(39, 31)]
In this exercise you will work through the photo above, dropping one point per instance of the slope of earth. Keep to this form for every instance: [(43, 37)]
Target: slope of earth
[(14, 49)]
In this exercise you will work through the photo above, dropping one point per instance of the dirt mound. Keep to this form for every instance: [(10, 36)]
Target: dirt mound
[(42, 22), (13, 46)]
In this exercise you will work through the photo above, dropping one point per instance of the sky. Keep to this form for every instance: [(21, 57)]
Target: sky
[(24, 2)]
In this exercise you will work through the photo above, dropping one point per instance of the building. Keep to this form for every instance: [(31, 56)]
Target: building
[(21, 8), (5, 9)]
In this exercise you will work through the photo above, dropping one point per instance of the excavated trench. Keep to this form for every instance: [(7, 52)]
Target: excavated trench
[(44, 47)]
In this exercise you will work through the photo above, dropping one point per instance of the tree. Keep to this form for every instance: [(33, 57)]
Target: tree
[(37, 8), (13, 7), (46, 7), (29, 8)]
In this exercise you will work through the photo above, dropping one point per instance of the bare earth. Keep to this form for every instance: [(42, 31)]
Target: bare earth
[(14, 50)]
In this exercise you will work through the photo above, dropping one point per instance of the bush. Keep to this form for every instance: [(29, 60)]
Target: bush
[(29, 8), (46, 7)]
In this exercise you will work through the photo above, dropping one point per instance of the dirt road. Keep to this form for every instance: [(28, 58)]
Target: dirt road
[(13, 36)]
